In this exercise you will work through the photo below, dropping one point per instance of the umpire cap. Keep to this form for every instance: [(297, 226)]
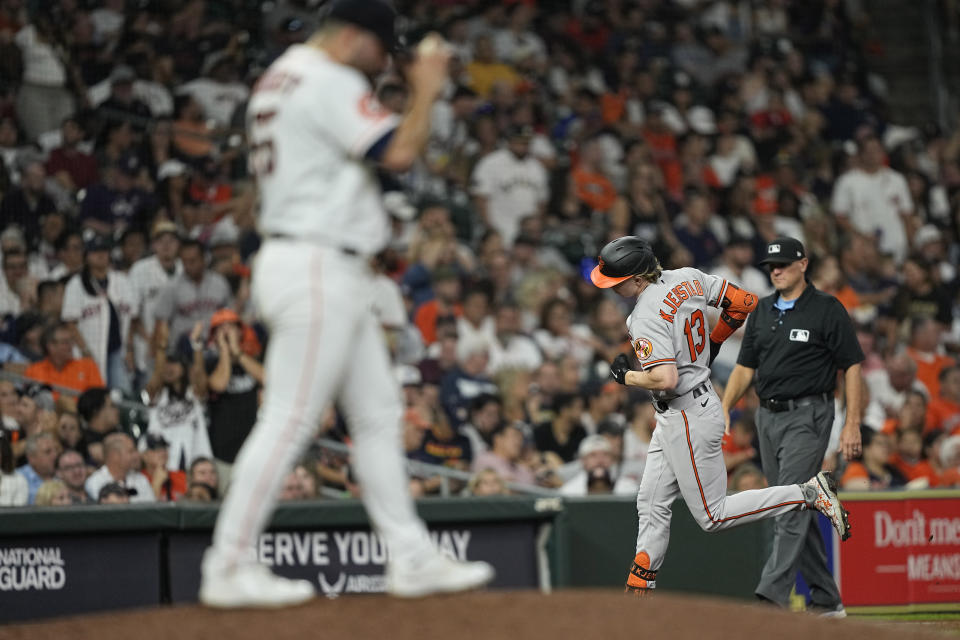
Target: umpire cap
[(784, 250), (376, 16), (621, 259)]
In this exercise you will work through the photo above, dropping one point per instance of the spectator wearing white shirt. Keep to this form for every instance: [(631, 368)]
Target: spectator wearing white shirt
[(511, 348), (108, 22), (517, 41), (736, 266), (101, 306), (874, 200), (598, 471), (121, 464), (43, 100), (219, 91), (559, 337), (476, 323), (149, 277), (510, 184), (14, 272)]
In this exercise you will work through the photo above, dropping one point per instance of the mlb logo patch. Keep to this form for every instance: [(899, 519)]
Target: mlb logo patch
[(773, 248), (799, 335)]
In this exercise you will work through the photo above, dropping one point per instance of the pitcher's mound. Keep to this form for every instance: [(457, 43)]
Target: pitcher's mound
[(499, 615)]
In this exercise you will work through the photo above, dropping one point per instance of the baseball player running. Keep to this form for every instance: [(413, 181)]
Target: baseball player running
[(315, 130), (668, 330)]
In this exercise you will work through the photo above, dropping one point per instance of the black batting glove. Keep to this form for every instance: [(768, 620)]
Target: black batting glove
[(714, 350), (619, 368)]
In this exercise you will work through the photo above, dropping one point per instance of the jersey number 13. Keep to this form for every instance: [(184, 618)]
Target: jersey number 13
[(696, 342)]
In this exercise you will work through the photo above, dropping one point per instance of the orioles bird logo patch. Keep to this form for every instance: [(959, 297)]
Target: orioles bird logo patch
[(602, 265), (643, 348)]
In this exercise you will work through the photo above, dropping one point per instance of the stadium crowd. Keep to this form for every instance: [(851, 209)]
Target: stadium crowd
[(708, 127)]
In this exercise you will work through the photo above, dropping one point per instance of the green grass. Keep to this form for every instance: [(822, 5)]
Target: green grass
[(911, 617)]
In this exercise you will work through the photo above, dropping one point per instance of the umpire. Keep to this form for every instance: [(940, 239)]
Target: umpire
[(796, 341)]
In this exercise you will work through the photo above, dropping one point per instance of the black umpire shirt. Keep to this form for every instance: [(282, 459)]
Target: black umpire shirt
[(797, 352)]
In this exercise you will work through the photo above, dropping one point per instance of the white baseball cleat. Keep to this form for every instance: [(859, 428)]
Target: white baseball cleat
[(252, 586), (828, 503), (436, 574), (837, 613)]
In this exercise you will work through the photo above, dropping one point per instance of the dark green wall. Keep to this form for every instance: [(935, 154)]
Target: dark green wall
[(595, 540), (591, 544)]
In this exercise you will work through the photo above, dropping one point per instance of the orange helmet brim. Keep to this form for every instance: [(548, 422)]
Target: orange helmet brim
[(605, 282)]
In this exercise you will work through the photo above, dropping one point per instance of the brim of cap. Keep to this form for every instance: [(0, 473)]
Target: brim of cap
[(605, 282), (777, 261)]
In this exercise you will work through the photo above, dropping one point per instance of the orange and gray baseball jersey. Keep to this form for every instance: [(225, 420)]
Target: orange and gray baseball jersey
[(669, 324)]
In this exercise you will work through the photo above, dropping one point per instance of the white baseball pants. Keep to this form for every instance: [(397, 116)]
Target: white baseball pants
[(685, 459), (325, 345)]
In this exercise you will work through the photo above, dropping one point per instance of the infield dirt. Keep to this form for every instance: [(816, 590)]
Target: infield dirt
[(500, 615)]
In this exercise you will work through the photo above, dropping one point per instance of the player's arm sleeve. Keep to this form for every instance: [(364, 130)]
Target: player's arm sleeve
[(735, 305), (652, 342), (723, 294), (841, 337), (355, 119)]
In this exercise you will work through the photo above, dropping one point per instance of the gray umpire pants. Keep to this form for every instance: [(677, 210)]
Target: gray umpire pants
[(792, 446)]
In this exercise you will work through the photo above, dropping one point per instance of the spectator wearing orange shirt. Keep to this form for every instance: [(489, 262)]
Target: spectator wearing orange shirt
[(167, 485), (924, 339), (593, 188), (872, 471), (445, 304), (59, 368), (911, 415), (908, 459), (944, 412)]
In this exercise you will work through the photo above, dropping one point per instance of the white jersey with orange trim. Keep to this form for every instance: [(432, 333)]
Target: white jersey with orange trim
[(669, 325), (311, 121)]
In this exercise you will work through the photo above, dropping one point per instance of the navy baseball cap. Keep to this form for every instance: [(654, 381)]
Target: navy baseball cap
[(784, 250), (376, 16), (156, 441), (97, 242)]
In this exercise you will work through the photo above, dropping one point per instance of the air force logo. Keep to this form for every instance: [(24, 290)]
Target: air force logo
[(799, 335)]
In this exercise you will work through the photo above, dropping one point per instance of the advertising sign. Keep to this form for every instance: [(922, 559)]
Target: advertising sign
[(349, 561), (902, 552), (43, 576)]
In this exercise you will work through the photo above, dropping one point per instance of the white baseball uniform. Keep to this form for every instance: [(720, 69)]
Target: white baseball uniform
[(91, 312), (669, 325), (149, 279), (311, 121)]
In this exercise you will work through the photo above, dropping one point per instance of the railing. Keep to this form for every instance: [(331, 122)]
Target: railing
[(415, 468), (939, 91)]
